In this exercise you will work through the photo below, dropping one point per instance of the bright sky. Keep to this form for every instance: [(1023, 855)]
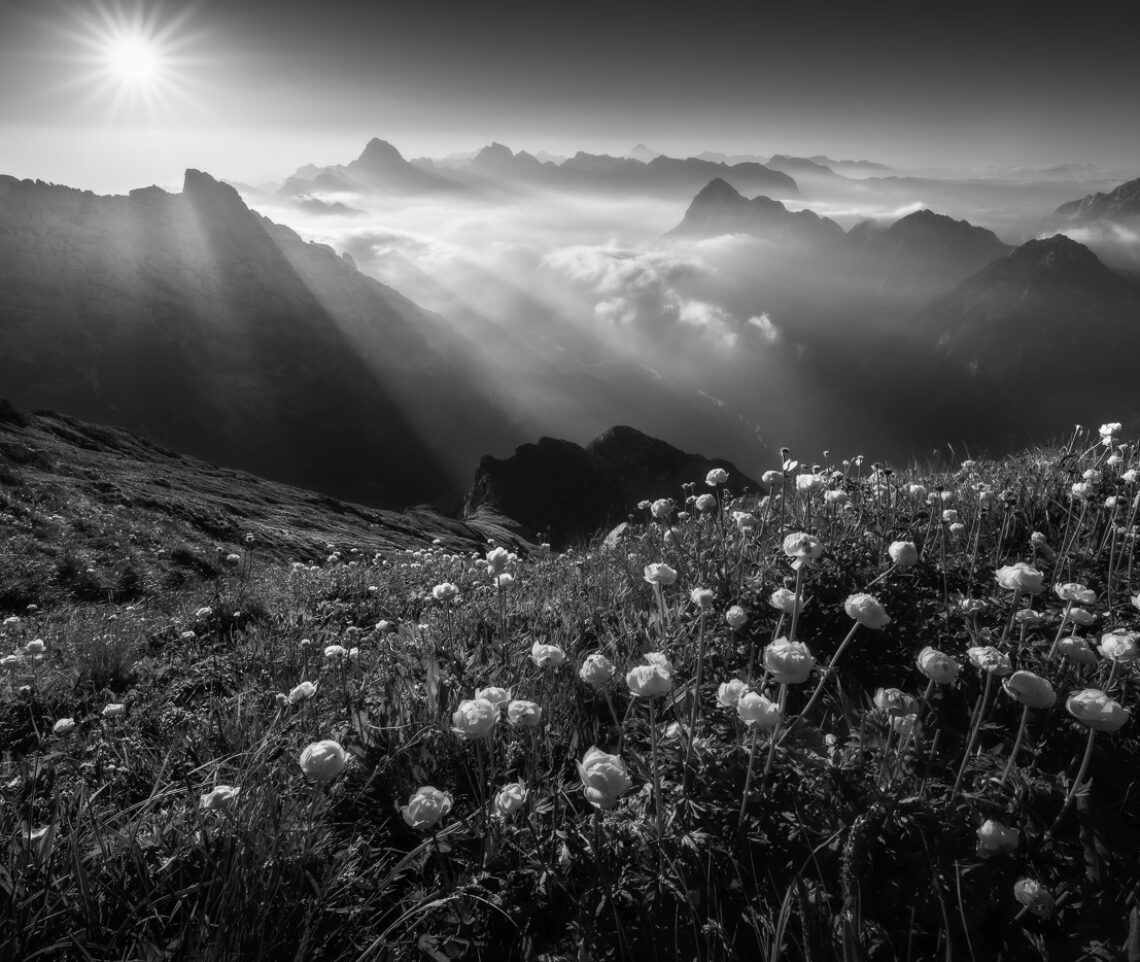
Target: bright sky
[(114, 95)]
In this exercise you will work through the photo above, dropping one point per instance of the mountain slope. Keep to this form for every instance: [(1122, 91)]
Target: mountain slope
[(192, 320), (721, 209)]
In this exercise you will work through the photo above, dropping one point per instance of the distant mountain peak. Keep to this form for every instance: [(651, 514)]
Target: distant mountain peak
[(380, 153), (643, 153), (1122, 202), (719, 208), (717, 189)]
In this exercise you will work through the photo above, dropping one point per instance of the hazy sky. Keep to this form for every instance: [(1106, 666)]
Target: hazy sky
[(251, 87)]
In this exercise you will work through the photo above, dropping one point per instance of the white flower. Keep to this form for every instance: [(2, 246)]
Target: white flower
[(596, 670), (1020, 577), (702, 597), (790, 662), (426, 807), (1076, 650), (659, 573), (35, 647), (1097, 710), (716, 476), (496, 696), (809, 483), (745, 520), (444, 592), (661, 508), (728, 694), (988, 658), (114, 710), (497, 560), (660, 659), (220, 798), (803, 547), (1034, 896), (784, 599), (648, 681), (475, 718), (1078, 594), (64, 726), (302, 692), (895, 702), (866, 610), (706, 503), (937, 666), (604, 778), (525, 713), (1119, 645), (996, 839), (543, 655), (773, 478), (1030, 689), (333, 652), (203, 612), (1079, 616), (322, 761), (1111, 429), (757, 711), (903, 553), (510, 799), (735, 617)]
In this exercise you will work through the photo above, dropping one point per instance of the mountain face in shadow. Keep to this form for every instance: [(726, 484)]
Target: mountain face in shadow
[(382, 170), (721, 209), (191, 320), (925, 247), (1042, 337), (566, 492), (1119, 205)]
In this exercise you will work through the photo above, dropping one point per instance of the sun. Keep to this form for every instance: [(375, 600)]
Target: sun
[(134, 60)]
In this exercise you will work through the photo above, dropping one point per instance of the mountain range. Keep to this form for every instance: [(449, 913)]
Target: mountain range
[(381, 169), (193, 320)]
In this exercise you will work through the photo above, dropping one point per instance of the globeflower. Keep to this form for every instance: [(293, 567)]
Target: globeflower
[(604, 778), (987, 658), (1021, 577), (426, 807), (475, 718), (660, 659), (702, 597), (302, 692), (757, 711), (445, 591), (543, 655), (1034, 896), (496, 696), (785, 600), (659, 573), (219, 799), (773, 478), (648, 681), (35, 647), (809, 483), (1095, 709), (527, 714), (735, 617), (596, 670), (996, 839), (903, 553), (706, 503), (866, 610), (1076, 650), (510, 799), (790, 662), (802, 547), (661, 508), (716, 477), (895, 702), (937, 666), (1119, 645), (64, 726), (322, 761), (728, 694), (1031, 690), (114, 710), (1078, 594)]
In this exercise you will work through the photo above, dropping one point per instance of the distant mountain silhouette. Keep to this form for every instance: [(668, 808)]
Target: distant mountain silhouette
[(931, 246), (196, 322), (566, 492), (800, 166), (381, 169), (1045, 335), (721, 209), (851, 166), (1121, 205), (643, 153)]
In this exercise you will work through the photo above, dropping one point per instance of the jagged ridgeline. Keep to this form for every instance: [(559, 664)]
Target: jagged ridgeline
[(191, 319)]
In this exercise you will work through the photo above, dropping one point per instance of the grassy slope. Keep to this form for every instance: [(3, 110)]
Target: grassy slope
[(846, 848)]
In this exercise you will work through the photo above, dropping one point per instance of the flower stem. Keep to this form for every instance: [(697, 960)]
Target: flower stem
[(1016, 746), (974, 730), (827, 671), (1076, 783)]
